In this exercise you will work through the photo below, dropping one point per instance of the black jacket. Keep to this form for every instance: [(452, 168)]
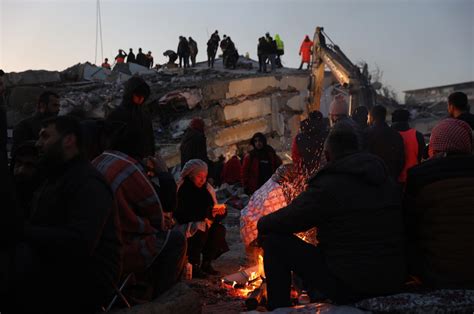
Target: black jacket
[(356, 207), (138, 126), (385, 142), (194, 204), (74, 225), (131, 58), (193, 146), (183, 48), (141, 59)]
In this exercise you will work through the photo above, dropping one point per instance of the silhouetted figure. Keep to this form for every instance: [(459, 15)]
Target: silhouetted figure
[(141, 58), (183, 52), (120, 57), (212, 45), (106, 64), (193, 50), (131, 57)]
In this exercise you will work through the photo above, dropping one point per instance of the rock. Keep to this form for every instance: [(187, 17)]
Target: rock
[(248, 109), (241, 132), (180, 299)]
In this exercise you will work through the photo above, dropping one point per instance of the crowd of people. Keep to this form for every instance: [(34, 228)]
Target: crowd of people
[(145, 60), (377, 197)]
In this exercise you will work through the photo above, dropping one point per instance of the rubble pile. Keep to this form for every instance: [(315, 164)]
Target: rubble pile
[(234, 104)]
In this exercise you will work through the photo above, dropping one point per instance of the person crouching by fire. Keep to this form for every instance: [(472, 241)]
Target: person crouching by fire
[(199, 214), (356, 207)]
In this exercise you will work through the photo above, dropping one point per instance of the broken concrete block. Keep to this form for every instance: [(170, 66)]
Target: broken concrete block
[(139, 69), (278, 121), (248, 109), (170, 153), (92, 72), (30, 77), (241, 132), (298, 102)]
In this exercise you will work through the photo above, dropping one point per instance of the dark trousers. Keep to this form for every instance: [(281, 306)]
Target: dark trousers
[(193, 60), (286, 253), (211, 244), (184, 61), (211, 57), (262, 63)]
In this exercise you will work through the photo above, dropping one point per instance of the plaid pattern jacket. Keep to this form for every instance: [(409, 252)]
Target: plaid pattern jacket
[(140, 212)]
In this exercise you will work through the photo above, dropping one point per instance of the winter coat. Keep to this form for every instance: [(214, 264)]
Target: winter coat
[(468, 118), (131, 58), (356, 207), (251, 176), (194, 204), (232, 171), (183, 48), (193, 146), (193, 48), (137, 120), (305, 50), (141, 59), (140, 211), (385, 142), (439, 218), (279, 43), (74, 224)]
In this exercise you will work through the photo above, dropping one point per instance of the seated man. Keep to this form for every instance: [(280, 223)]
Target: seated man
[(70, 258), (439, 203), (355, 206), (154, 254)]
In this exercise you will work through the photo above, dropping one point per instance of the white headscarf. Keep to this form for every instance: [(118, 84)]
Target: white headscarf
[(192, 167)]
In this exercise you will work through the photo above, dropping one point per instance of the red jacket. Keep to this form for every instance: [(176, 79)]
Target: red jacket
[(250, 169), (232, 171), (305, 51)]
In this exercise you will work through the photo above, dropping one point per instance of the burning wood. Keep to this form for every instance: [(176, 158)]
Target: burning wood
[(257, 297)]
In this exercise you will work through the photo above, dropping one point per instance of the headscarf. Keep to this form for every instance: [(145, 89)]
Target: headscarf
[(192, 167), (197, 124), (451, 136)]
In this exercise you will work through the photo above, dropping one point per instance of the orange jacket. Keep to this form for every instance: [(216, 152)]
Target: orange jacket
[(305, 50)]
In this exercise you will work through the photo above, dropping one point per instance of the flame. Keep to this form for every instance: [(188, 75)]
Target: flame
[(261, 269)]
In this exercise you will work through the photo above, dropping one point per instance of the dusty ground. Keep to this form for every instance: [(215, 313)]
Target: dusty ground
[(215, 296)]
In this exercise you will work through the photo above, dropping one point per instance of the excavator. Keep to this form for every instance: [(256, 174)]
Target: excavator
[(349, 76)]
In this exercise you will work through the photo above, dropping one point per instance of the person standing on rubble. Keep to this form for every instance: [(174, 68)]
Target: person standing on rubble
[(193, 144), (259, 164), (280, 50), (149, 60), (131, 57), (305, 52), (106, 64), (141, 58), (120, 58), (212, 45), (28, 129), (356, 207), (134, 116), (262, 54), (193, 50), (183, 52)]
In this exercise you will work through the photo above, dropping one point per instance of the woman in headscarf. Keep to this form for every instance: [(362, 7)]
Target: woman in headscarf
[(200, 214)]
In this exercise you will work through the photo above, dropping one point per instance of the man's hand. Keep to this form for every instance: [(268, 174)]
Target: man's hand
[(168, 221)]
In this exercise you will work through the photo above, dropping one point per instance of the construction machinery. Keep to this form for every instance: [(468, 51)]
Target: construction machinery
[(350, 76)]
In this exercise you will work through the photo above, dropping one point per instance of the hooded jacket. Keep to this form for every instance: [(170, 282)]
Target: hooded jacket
[(356, 207), (138, 132)]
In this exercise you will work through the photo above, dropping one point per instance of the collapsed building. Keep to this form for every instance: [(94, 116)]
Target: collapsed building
[(234, 104)]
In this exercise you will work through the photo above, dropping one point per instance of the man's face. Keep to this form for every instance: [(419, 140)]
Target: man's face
[(370, 119), (50, 145), (25, 166), (52, 107), (258, 142)]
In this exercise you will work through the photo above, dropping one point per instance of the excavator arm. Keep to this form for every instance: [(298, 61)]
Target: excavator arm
[(346, 73)]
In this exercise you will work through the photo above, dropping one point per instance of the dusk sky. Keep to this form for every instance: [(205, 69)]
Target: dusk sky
[(415, 43)]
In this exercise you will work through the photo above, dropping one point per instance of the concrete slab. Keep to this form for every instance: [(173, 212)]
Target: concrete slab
[(248, 109), (241, 132), (32, 77)]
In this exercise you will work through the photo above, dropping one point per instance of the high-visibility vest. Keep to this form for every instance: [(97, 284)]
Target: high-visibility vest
[(410, 144), (120, 59)]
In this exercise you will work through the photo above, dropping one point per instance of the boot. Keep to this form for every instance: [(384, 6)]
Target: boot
[(207, 267)]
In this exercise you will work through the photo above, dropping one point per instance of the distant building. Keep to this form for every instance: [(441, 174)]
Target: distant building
[(432, 96)]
